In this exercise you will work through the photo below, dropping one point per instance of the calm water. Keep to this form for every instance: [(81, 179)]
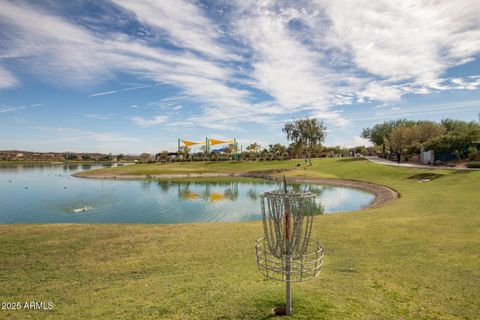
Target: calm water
[(48, 194)]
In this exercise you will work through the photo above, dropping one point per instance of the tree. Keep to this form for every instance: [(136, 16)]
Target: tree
[(473, 154), (401, 138), (428, 130), (381, 131), (295, 149), (106, 157), (162, 155), (229, 148), (145, 157), (70, 156), (362, 150), (184, 150), (277, 149), (307, 132), (452, 125), (377, 134), (459, 137), (254, 147)]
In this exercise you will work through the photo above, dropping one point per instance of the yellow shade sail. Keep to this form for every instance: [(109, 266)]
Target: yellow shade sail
[(191, 143), (214, 141)]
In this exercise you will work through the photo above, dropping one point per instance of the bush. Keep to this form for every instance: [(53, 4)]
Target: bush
[(472, 154), (473, 165)]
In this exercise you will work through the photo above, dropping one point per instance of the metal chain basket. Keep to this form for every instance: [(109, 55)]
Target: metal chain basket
[(286, 252), (305, 268)]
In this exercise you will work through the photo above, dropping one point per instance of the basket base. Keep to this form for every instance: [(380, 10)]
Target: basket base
[(280, 310)]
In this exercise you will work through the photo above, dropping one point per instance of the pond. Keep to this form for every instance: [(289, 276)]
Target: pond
[(35, 193)]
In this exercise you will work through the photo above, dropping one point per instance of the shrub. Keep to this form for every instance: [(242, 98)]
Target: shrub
[(473, 165), (472, 154)]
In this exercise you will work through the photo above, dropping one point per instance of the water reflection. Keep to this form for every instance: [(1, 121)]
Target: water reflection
[(191, 191), (47, 193), (206, 191), (252, 194), (163, 186)]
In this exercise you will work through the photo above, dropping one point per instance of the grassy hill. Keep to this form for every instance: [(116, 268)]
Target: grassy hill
[(415, 258)]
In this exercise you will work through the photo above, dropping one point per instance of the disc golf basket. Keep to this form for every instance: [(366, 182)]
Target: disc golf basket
[(286, 252)]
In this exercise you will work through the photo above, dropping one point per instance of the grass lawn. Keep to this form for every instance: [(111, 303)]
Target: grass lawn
[(418, 257)]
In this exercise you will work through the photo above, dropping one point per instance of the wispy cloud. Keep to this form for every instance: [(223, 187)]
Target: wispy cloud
[(7, 79), (123, 90), (97, 116), (409, 40), (421, 110), (144, 122), (4, 108), (253, 61), (7, 108), (54, 49), (184, 23)]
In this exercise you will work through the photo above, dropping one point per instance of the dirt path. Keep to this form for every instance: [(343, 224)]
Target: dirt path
[(413, 165)]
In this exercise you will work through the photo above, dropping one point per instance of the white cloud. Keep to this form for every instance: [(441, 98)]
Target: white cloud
[(380, 92), (97, 116), (7, 79), (283, 66), (51, 47), (411, 39), (302, 57), (7, 108), (420, 110), (184, 22), (359, 141), (4, 108), (144, 122)]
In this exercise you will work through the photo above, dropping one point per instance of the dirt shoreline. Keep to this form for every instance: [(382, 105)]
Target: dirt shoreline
[(383, 194)]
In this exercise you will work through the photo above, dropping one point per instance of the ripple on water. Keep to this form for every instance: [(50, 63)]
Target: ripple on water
[(82, 209)]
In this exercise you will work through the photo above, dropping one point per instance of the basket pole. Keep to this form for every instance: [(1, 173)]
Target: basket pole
[(288, 288), (288, 260)]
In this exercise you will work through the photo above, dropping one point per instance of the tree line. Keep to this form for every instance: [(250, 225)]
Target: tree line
[(305, 135), (402, 138)]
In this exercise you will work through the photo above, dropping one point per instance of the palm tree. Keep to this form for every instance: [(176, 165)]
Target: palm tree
[(254, 147)]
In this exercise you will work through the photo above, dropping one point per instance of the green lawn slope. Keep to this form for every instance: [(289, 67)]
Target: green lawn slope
[(417, 257)]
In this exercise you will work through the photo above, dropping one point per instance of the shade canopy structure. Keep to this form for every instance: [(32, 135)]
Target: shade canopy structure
[(209, 142), (213, 142), (191, 143)]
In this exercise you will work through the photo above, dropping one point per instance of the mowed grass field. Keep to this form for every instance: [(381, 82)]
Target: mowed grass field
[(417, 257)]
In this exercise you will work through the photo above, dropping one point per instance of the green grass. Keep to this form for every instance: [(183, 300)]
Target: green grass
[(417, 257), (197, 167)]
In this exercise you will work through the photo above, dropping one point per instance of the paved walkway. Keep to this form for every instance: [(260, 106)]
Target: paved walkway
[(413, 165)]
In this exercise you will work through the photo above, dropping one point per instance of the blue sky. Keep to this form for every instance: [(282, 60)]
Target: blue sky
[(132, 76)]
